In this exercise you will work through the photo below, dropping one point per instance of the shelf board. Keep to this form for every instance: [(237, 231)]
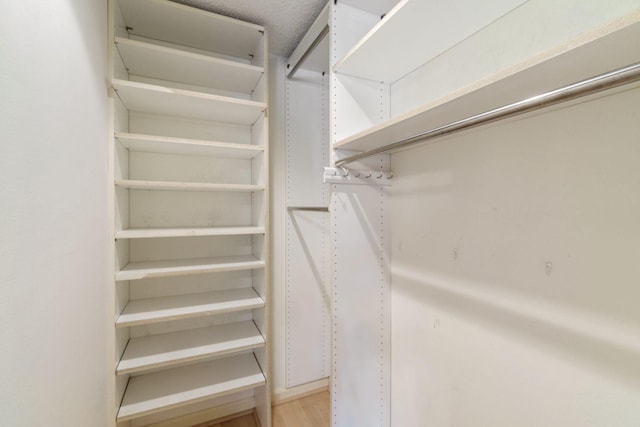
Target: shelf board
[(168, 101), (147, 233), (150, 269), (163, 309), (376, 7), (164, 350), (159, 391), (435, 27), (150, 60), (188, 26), (185, 146), (186, 186), (566, 64)]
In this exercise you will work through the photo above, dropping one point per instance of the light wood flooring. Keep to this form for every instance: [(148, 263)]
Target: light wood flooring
[(309, 411)]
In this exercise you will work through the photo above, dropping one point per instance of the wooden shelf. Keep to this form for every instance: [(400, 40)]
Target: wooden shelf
[(163, 309), (159, 391), (435, 27), (149, 269), (565, 64), (147, 233), (168, 101), (187, 26), (186, 186), (184, 146), (164, 350), (150, 60)]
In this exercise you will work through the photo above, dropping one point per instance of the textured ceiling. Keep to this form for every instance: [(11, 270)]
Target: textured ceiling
[(286, 21)]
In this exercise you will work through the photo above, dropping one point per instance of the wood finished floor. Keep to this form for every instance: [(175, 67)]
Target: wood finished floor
[(309, 411)]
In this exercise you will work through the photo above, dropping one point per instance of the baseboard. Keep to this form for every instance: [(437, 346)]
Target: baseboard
[(281, 396)]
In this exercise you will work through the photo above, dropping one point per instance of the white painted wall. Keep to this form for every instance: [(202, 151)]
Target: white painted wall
[(515, 273), (53, 220)]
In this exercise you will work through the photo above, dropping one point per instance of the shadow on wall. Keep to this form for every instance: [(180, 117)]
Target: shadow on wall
[(608, 348)]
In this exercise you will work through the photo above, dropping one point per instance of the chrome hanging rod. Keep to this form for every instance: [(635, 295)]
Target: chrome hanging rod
[(312, 46), (589, 86), (308, 208)]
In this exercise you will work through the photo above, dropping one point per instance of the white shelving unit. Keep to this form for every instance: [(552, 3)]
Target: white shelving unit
[(546, 70), (190, 193), (425, 65)]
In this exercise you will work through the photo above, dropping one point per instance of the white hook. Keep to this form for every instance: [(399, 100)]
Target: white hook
[(380, 174), (390, 175), (368, 175)]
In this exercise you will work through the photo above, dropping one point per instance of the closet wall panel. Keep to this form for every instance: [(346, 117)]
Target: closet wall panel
[(308, 292)]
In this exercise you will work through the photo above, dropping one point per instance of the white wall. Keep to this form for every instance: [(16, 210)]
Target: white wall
[(53, 214), (515, 273)]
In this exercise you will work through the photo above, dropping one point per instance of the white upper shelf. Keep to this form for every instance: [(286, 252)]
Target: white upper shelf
[(168, 101), (163, 350), (148, 233), (151, 60), (614, 46), (185, 146), (150, 269), (176, 23), (159, 391), (376, 7), (188, 306), (414, 32), (186, 186)]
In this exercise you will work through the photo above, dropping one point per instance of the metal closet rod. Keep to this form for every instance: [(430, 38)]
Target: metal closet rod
[(310, 49), (308, 208), (589, 86)]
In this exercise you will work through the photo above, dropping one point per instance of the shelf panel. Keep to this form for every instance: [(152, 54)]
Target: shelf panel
[(186, 186), (174, 348), (167, 101), (159, 391), (150, 269), (149, 60), (185, 146), (163, 309), (565, 64), (377, 7), (435, 27), (147, 233), (187, 26)]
